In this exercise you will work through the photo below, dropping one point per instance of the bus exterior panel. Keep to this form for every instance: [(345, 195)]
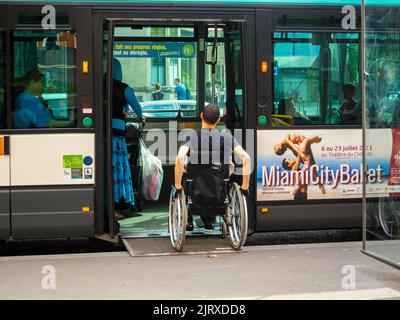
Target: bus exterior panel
[(52, 189), (50, 203)]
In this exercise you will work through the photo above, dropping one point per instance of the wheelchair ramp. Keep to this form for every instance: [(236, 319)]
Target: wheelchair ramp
[(161, 246)]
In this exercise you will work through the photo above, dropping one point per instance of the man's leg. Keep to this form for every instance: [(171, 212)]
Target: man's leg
[(189, 226), (208, 222)]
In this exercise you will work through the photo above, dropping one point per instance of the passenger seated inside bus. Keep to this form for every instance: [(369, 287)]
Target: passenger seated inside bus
[(31, 111), (287, 107), (210, 118), (350, 111)]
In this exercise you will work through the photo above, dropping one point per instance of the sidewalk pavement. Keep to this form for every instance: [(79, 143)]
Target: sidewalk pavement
[(305, 271)]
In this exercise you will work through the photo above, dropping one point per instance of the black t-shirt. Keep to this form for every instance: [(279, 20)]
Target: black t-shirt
[(214, 144)]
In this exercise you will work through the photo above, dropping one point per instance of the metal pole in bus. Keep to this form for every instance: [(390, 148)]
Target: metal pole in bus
[(110, 47), (214, 60)]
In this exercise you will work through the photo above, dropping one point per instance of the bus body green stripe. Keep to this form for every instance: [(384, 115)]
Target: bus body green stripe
[(276, 2), (387, 3)]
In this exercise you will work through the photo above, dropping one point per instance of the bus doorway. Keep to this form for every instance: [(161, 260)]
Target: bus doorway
[(174, 69)]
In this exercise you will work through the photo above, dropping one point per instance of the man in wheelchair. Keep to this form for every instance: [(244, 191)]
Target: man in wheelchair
[(205, 162)]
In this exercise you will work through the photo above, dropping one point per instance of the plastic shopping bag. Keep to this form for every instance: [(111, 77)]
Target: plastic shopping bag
[(152, 173)]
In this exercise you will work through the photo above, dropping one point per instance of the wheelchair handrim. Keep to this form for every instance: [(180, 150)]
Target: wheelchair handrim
[(238, 228), (177, 222)]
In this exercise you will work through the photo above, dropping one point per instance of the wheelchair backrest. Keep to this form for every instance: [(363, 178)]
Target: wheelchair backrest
[(207, 176), (206, 185)]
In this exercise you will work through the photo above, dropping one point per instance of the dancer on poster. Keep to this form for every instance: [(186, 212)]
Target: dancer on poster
[(301, 149)]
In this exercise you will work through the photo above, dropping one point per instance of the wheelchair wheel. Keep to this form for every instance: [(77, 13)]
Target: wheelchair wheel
[(237, 217), (177, 220)]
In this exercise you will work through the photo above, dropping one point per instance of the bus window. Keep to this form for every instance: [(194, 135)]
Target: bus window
[(43, 87), (383, 81), (2, 81), (153, 59), (316, 78)]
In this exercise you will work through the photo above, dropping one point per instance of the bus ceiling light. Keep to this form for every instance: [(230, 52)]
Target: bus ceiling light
[(85, 66), (264, 67)]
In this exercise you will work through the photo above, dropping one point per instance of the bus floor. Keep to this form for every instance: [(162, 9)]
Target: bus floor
[(153, 222)]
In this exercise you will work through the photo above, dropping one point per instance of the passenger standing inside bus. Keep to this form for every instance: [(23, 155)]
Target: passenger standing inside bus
[(31, 110), (180, 90), (123, 97)]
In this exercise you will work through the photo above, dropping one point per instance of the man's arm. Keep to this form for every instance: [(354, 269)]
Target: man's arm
[(354, 110), (133, 101), (244, 156), (180, 165)]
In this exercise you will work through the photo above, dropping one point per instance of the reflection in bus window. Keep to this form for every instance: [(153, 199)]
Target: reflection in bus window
[(310, 72), (43, 86), (383, 81), (151, 67), (2, 81)]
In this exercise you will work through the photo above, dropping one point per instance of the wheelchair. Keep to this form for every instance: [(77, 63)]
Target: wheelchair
[(208, 191)]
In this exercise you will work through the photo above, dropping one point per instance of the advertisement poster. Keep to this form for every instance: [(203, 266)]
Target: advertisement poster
[(318, 164), (132, 49)]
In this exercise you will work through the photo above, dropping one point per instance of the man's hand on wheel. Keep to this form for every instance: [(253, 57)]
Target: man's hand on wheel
[(176, 192)]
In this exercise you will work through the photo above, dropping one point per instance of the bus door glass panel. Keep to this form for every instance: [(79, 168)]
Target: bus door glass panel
[(215, 71), (152, 59), (224, 50), (43, 93), (234, 94), (316, 78)]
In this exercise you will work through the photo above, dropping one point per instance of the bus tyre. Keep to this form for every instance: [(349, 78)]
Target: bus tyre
[(237, 228)]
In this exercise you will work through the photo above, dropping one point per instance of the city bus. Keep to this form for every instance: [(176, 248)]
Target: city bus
[(287, 73)]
